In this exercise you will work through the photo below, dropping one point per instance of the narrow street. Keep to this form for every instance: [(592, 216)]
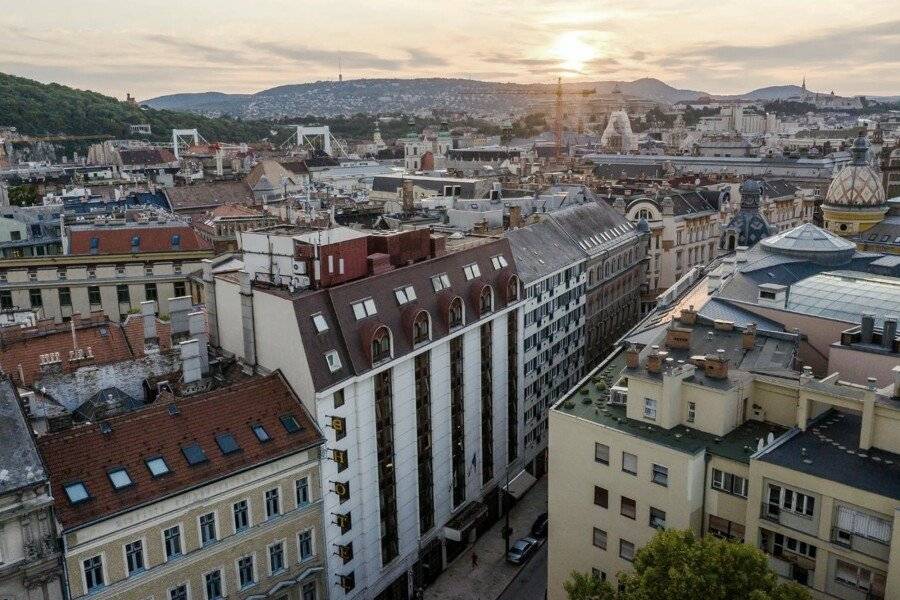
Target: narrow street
[(531, 581)]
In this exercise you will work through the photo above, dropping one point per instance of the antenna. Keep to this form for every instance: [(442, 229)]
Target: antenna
[(340, 69)]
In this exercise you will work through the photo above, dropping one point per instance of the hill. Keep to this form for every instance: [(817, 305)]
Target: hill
[(36, 108)]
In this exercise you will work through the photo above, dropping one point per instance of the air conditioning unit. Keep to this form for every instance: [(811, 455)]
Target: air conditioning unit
[(299, 267)]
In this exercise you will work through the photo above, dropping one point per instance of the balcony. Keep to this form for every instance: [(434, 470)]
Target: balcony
[(792, 571), (861, 544)]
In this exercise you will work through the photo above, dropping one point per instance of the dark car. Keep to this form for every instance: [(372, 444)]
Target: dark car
[(539, 529), (521, 550)]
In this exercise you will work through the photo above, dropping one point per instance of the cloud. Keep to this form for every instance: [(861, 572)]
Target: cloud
[(638, 55), (510, 59), (425, 58), (209, 53)]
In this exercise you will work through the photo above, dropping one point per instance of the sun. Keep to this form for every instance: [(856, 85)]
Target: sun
[(572, 51)]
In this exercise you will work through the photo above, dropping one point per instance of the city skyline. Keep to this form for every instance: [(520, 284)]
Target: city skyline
[(224, 47)]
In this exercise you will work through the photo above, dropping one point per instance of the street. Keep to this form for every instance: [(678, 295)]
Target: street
[(531, 581)]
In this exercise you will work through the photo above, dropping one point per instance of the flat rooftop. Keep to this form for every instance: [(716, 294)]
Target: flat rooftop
[(829, 448)]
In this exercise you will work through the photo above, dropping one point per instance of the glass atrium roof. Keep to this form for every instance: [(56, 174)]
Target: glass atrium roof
[(846, 296)]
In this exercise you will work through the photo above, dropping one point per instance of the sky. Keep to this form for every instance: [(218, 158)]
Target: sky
[(155, 47)]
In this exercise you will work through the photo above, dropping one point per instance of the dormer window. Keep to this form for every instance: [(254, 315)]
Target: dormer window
[(333, 360), (472, 271), (320, 323), (95, 245), (381, 345), (455, 317), (135, 243), (364, 308), (176, 241), (405, 294), (486, 300), (499, 262), (421, 328), (440, 282)]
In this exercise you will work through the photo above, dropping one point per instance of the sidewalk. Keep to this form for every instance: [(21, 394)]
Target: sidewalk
[(488, 580)]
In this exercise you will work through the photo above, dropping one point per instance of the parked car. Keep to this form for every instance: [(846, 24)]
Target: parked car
[(539, 529), (521, 550)]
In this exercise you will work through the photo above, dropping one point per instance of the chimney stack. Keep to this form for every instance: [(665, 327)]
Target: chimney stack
[(866, 328), (722, 325), (247, 321), (654, 360), (148, 315), (748, 338), (209, 292), (197, 327), (716, 365), (190, 361), (688, 315), (407, 196), (178, 315), (632, 357), (889, 332), (678, 338), (515, 217)]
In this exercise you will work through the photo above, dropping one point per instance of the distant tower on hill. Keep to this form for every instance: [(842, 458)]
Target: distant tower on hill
[(340, 71)]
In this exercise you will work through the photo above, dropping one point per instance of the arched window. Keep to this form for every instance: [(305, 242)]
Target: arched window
[(421, 328), (644, 214), (486, 300), (456, 313), (381, 345), (512, 289)]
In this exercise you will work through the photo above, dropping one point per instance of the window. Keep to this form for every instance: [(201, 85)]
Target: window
[(213, 583), (440, 282), (304, 544), (93, 573), (724, 528), (692, 412), (94, 295), (802, 504), (626, 550), (333, 360), (861, 578), (601, 496), (261, 434), (486, 300), (650, 409), (172, 542), (245, 571), (364, 308), (176, 241), (34, 296), (273, 508), (629, 463), (405, 294), (178, 593), (150, 291), (157, 466), (854, 522), (134, 557), (135, 243), (601, 453), (241, 512), (381, 345), (309, 591), (290, 424), (207, 528), (657, 518), (179, 289), (320, 323), (276, 558), (176, 267), (499, 262), (94, 245), (119, 478), (338, 398), (784, 544), (660, 475), (421, 329), (227, 444), (472, 271), (194, 454), (77, 492), (120, 270), (726, 482), (6, 302), (600, 538), (302, 489), (455, 317), (628, 508), (122, 294)]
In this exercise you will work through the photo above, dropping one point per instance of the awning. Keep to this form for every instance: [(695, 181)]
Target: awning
[(465, 518), (519, 484)]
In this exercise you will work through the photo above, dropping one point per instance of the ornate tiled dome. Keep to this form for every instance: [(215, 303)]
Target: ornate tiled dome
[(857, 184), (748, 226)]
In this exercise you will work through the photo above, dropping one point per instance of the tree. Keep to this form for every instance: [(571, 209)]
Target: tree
[(584, 586), (677, 565)]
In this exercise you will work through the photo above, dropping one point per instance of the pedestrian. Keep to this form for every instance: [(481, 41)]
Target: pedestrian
[(474, 559)]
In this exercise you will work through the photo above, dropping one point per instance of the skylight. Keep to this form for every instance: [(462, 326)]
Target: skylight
[(499, 262), (119, 478), (440, 282), (320, 323), (260, 432), (227, 443), (76, 492), (157, 466), (405, 294), (290, 423), (472, 271), (333, 360), (194, 454), (364, 308)]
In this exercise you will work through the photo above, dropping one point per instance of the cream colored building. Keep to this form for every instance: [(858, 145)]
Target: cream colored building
[(695, 428), (195, 498)]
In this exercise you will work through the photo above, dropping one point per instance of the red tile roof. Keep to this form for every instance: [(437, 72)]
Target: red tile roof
[(85, 454), (152, 239)]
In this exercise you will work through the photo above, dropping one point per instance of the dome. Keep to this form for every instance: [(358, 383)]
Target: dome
[(810, 243), (748, 226), (857, 184)]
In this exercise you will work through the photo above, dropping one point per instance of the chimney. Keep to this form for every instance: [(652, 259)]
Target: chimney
[(247, 324), (889, 332), (148, 315), (713, 282), (748, 338), (178, 315), (438, 246), (190, 361), (688, 315), (407, 196), (740, 255), (515, 217), (209, 293), (866, 328), (678, 338), (632, 357), (197, 327), (724, 325), (654, 360), (716, 365)]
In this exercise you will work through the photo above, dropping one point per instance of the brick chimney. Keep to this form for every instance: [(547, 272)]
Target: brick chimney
[(716, 365), (724, 325), (678, 338), (515, 217), (407, 195), (688, 316), (748, 338), (654, 360), (632, 357)]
